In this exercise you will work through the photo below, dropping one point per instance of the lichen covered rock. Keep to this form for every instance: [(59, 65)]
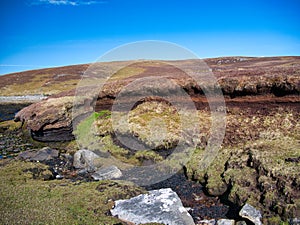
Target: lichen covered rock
[(249, 212), (159, 206)]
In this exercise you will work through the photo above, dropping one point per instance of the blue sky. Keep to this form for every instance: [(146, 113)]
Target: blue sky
[(47, 33)]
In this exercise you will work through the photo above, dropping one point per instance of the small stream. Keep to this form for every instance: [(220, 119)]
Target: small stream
[(191, 193), (22, 98), (10, 105)]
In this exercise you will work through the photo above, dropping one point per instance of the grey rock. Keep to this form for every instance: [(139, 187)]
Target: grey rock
[(241, 223), (42, 155), (294, 221), (159, 206), (83, 172), (107, 173), (207, 222), (26, 155), (225, 222), (84, 159), (45, 154), (252, 214)]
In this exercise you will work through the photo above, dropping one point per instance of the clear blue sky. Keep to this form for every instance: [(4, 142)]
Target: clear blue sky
[(46, 33)]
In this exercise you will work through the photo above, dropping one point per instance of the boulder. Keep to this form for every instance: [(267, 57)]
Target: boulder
[(251, 213), (43, 155), (159, 206), (84, 159), (107, 173), (241, 223), (225, 222), (207, 222), (294, 221), (49, 120)]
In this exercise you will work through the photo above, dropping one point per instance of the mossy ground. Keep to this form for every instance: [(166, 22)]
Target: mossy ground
[(25, 200), (157, 126), (258, 163), (9, 125)]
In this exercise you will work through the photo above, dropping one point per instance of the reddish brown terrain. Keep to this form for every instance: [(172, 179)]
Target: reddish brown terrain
[(246, 82), (258, 161)]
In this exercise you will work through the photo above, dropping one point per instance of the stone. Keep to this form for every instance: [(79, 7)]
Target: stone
[(294, 221), (26, 155), (49, 119), (225, 222), (207, 222), (158, 206), (251, 213), (84, 159), (43, 155), (107, 173), (241, 223), (59, 177)]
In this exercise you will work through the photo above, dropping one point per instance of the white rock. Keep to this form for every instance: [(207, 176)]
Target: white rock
[(84, 159), (159, 206), (225, 222), (252, 214)]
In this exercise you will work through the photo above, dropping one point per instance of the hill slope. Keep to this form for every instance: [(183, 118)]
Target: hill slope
[(283, 74)]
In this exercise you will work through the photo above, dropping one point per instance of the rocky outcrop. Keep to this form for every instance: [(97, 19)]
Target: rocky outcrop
[(159, 206), (49, 120)]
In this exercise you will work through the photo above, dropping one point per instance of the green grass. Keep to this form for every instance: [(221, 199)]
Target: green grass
[(94, 133), (25, 200), (9, 125), (85, 131)]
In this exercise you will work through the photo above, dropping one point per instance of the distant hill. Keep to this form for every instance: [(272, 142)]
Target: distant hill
[(284, 73)]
